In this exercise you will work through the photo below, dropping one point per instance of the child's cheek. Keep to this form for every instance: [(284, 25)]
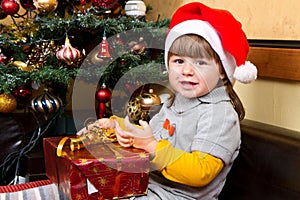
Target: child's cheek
[(210, 77)]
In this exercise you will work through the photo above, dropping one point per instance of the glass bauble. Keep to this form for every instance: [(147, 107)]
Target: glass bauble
[(10, 7), (45, 6), (135, 8)]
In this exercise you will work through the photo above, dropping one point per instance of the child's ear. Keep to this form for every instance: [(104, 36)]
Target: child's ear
[(222, 76), (221, 72)]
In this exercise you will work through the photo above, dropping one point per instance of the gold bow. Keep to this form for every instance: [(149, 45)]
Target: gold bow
[(75, 144)]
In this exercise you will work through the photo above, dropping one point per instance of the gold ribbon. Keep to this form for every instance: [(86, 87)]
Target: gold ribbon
[(75, 144)]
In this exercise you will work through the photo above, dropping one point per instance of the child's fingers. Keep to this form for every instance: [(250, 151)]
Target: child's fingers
[(145, 126), (123, 137), (105, 123), (122, 133), (130, 127), (81, 132)]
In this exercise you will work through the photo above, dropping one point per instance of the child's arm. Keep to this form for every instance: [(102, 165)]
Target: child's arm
[(194, 169)]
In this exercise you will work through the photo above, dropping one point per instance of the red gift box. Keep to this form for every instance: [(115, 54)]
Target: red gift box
[(109, 172)]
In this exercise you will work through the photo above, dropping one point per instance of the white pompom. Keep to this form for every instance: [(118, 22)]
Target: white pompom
[(245, 73)]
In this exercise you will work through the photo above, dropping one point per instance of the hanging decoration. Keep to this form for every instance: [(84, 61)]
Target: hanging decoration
[(135, 111), (22, 95), (103, 96), (45, 6), (107, 5), (135, 8), (2, 57), (8, 103), (46, 104), (138, 47), (68, 53), (27, 4), (83, 4), (119, 41), (23, 66), (104, 48), (142, 103), (129, 87), (10, 7), (150, 101), (39, 54)]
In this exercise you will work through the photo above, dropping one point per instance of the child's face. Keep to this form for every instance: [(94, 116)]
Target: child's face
[(193, 77)]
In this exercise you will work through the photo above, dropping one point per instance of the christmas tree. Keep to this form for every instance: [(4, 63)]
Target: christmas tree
[(47, 44), (51, 44)]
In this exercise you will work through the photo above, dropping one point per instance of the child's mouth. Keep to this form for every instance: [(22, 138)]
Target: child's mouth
[(188, 85)]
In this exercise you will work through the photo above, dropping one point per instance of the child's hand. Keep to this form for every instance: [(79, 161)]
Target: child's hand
[(141, 138), (104, 123)]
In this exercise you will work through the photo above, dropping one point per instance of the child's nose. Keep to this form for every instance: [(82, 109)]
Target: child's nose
[(188, 68)]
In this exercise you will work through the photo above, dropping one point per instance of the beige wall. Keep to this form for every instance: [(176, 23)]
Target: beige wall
[(275, 102)]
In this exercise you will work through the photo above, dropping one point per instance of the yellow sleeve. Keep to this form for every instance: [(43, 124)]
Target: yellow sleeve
[(193, 169)]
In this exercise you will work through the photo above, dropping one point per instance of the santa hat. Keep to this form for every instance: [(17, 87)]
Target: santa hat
[(222, 31)]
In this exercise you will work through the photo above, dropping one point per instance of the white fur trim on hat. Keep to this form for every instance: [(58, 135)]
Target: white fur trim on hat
[(245, 73)]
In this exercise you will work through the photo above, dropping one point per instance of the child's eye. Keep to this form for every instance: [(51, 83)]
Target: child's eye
[(178, 61), (201, 62)]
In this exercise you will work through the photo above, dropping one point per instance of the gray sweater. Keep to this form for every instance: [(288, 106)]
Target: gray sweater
[(208, 124)]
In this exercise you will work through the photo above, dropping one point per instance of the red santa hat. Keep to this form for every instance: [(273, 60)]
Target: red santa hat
[(222, 31)]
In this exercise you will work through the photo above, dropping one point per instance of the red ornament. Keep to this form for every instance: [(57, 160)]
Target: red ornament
[(82, 2), (119, 41), (10, 7), (103, 49), (2, 58), (68, 53), (129, 87), (105, 4), (23, 93), (122, 62), (139, 47), (27, 4), (103, 95)]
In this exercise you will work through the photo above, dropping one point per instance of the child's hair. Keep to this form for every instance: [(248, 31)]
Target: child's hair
[(195, 46)]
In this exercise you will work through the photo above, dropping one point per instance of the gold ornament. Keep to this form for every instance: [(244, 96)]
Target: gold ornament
[(150, 101), (8, 103), (23, 66), (135, 111), (46, 103), (45, 6), (38, 55)]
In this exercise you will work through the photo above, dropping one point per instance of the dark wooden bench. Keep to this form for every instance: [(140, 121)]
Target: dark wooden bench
[(268, 165)]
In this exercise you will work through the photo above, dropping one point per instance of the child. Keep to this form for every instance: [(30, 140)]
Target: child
[(195, 137)]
